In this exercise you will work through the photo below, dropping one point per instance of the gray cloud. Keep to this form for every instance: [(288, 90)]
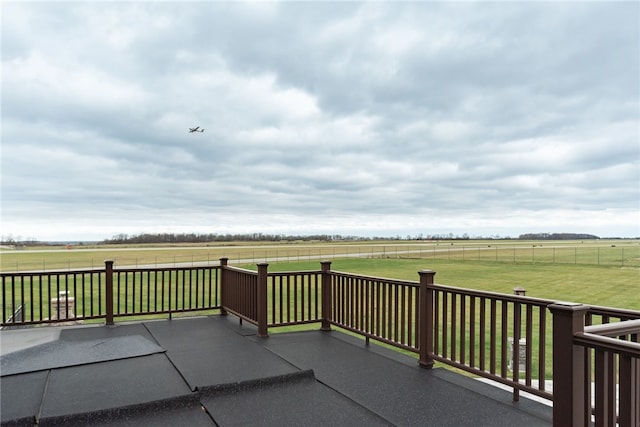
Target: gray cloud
[(484, 118)]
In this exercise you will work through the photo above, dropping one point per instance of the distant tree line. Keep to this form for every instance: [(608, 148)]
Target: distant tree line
[(267, 237), (214, 237), (557, 236)]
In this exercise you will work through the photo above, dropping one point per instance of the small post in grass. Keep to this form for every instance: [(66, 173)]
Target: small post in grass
[(519, 290)]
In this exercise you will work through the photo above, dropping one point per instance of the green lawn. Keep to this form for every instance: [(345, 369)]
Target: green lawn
[(613, 253), (587, 284)]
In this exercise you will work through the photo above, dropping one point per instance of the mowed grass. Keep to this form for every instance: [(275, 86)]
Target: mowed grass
[(587, 284), (612, 253)]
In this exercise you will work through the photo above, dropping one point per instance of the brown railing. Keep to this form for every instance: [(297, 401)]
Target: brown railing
[(383, 309), (53, 297), (607, 355), (294, 298), (164, 290), (497, 336), (505, 338), (616, 372), (80, 295), (240, 292)]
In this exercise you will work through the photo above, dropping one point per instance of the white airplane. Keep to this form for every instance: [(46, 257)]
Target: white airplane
[(195, 129)]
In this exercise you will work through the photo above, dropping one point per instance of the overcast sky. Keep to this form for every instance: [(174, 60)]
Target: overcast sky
[(341, 118)]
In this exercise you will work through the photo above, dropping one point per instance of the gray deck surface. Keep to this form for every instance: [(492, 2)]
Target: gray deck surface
[(209, 371)]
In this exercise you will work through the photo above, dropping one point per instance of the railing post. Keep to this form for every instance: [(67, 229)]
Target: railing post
[(425, 319), (223, 283), (262, 300), (326, 295), (108, 271), (569, 375)]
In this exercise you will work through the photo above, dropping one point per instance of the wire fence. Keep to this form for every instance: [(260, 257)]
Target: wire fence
[(626, 256)]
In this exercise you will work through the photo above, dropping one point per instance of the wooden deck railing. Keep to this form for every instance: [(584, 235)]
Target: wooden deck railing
[(53, 297), (81, 295), (164, 290), (511, 339), (383, 309), (295, 298), (607, 355), (497, 336)]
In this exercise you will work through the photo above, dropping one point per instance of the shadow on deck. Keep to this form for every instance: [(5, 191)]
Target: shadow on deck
[(209, 371)]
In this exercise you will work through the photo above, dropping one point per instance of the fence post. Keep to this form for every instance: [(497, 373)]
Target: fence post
[(569, 376), (223, 265), (262, 300), (108, 271), (326, 295), (425, 319)]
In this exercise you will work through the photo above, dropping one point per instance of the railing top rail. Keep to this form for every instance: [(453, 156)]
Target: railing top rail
[(291, 273), (379, 279), (613, 312), (616, 329), (137, 269), (52, 272), (240, 270), (495, 295), (599, 342)]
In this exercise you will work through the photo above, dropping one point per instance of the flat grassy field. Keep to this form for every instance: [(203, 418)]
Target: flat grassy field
[(614, 253), (587, 284)]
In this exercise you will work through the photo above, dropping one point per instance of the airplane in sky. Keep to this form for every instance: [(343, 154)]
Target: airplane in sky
[(195, 129)]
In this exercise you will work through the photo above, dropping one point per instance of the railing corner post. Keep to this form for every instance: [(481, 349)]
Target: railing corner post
[(263, 330), (425, 319), (569, 381), (326, 295), (223, 263), (108, 271)]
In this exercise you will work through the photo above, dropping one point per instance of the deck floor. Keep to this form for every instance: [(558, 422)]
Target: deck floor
[(209, 371)]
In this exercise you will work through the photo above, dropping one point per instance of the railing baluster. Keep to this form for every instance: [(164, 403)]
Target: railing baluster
[(492, 337), (463, 328), (482, 333), (40, 304), (360, 304), (30, 297), (295, 298), (117, 296), (472, 331), (403, 315), (542, 345), (21, 299), (515, 356), (184, 288), (436, 321), (376, 286), (629, 388), (454, 325), (529, 345), (504, 335), (395, 307), (445, 321)]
